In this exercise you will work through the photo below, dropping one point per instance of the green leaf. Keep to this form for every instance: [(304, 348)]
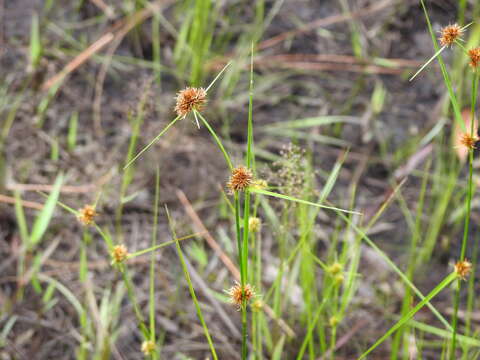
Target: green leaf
[(290, 198), (43, 219)]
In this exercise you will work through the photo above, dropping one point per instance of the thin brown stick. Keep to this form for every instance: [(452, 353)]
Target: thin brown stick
[(28, 204), (79, 60), (334, 19)]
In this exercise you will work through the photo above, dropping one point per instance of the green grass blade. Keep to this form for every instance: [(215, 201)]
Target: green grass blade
[(155, 139), (43, 219), (445, 282), (190, 288), (290, 198)]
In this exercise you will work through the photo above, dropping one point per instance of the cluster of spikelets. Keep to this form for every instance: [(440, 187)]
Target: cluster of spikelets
[(450, 35), (463, 269), (241, 295), (189, 100)]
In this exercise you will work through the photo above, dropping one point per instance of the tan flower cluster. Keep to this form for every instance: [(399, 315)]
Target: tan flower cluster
[(463, 269), (239, 295), (474, 55), (190, 99), (240, 179), (119, 254), (86, 215), (449, 34), (468, 140)]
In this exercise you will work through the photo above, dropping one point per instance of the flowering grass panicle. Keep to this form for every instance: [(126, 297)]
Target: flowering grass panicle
[(190, 99), (449, 34), (474, 55), (148, 347), (240, 179), (463, 268), (86, 215), (239, 295), (119, 254)]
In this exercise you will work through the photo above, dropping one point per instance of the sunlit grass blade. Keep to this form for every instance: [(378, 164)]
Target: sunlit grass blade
[(428, 62), (151, 300), (190, 287), (290, 198), (155, 139), (159, 246), (218, 76), (217, 140), (443, 68), (394, 267), (467, 340), (444, 283), (43, 219)]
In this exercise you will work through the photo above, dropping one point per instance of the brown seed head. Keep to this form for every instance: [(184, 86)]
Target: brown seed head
[(240, 180), (148, 347), (463, 268), (190, 99), (239, 296), (468, 140), (449, 34), (86, 215), (119, 254), (474, 55)]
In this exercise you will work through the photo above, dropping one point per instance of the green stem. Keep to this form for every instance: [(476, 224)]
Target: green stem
[(468, 205), (217, 139), (191, 289), (445, 282), (152, 142)]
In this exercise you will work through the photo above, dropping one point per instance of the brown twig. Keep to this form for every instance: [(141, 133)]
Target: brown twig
[(334, 19), (29, 204)]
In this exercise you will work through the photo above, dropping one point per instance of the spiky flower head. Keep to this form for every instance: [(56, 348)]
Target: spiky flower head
[(148, 347), (119, 254), (86, 215), (474, 55), (463, 268), (190, 99), (240, 179), (254, 224), (468, 140), (240, 295), (449, 34)]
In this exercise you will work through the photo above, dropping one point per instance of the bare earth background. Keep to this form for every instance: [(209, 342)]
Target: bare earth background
[(308, 73)]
